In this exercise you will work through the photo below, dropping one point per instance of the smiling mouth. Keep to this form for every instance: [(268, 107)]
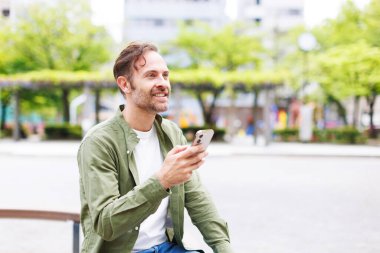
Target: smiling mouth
[(160, 95)]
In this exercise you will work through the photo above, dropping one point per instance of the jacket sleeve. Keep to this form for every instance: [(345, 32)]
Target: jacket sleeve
[(205, 217), (113, 214)]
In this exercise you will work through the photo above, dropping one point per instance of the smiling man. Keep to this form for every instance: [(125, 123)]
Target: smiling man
[(137, 173)]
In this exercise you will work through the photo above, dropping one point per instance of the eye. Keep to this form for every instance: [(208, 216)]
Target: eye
[(165, 75)]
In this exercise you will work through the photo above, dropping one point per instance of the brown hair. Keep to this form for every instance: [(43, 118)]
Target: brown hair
[(126, 61)]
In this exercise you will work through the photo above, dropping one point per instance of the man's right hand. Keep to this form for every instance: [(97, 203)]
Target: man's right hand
[(179, 164)]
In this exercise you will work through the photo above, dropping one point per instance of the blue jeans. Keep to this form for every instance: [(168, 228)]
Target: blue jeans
[(167, 247)]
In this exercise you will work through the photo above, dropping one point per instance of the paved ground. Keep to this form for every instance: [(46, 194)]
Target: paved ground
[(242, 146), (281, 199)]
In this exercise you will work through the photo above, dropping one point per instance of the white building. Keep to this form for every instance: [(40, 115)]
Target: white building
[(272, 14), (158, 20), (5, 8)]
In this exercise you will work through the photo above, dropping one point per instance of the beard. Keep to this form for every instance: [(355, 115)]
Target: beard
[(146, 101)]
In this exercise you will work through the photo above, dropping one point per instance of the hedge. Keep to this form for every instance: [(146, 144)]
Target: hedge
[(189, 132), (63, 132), (344, 135)]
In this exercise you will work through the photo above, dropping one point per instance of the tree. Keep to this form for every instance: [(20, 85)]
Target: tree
[(351, 70), (217, 51), (57, 37), (347, 28), (351, 27), (54, 36), (227, 48), (371, 22)]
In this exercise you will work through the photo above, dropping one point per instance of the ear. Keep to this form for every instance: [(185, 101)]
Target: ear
[(123, 84)]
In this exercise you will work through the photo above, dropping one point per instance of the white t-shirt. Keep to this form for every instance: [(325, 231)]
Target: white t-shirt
[(149, 160)]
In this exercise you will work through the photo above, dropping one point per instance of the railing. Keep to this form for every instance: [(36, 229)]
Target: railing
[(46, 215)]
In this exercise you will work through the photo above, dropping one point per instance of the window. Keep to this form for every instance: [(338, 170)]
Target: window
[(257, 21), (158, 22), (294, 12), (6, 12)]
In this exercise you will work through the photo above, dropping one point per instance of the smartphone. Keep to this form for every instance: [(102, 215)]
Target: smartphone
[(203, 137)]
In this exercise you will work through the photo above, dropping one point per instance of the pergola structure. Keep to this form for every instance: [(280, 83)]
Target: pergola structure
[(197, 81)]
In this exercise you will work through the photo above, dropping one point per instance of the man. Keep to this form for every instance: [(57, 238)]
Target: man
[(137, 173)]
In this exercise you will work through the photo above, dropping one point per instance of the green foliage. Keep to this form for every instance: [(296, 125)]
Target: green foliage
[(59, 37), (227, 48), (349, 70), (372, 23), (251, 79), (189, 132), (347, 28), (57, 78), (43, 101), (6, 48), (63, 131), (286, 134), (344, 135), (198, 77), (292, 59), (5, 133), (217, 78)]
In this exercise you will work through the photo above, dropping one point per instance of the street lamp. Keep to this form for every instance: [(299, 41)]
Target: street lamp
[(306, 42)]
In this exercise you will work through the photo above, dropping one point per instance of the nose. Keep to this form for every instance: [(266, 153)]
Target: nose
[(163, 82)]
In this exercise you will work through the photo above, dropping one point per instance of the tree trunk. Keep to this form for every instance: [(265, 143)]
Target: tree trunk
[(3, 118), (256, 92), (202, 104), (66, 105), (5, 102), (325, 106), (371, 102), (208, 113), (341, 110), (267, 123), (215, 95), (97, 105), (16, 115), (355, 115)]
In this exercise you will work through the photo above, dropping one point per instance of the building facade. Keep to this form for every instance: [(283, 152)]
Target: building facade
[(272, 14), (5, 8), (159, 20)]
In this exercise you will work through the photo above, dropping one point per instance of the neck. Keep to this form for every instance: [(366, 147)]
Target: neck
[(138, 119)]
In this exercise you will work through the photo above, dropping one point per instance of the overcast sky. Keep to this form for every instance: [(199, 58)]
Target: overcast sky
[(110, 13)]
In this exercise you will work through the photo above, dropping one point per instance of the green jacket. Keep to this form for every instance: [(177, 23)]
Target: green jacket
[(114, 203)]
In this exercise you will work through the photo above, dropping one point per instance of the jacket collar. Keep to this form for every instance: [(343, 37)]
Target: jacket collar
[(131, 136)]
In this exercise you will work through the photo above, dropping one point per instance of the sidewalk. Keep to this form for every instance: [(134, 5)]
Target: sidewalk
[(237, 147)]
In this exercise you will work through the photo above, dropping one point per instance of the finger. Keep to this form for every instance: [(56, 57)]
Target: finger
[(177, 149), (196, 165), (195, 159), (192, 150)]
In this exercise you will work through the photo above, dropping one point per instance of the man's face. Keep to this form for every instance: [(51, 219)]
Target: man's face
[(150, 87)]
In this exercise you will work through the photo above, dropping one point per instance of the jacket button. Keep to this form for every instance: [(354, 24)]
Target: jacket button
[(136, 228), (128, 152)]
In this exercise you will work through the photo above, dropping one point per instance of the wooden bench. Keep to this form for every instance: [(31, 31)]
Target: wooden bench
[(46, 215)]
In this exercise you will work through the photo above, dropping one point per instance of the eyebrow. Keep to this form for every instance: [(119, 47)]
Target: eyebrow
[(155, 71)]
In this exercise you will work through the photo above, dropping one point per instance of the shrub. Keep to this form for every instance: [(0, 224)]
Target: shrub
[(63, 132), (7, 132), (346, 135), (286, 134), (189, 132)]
